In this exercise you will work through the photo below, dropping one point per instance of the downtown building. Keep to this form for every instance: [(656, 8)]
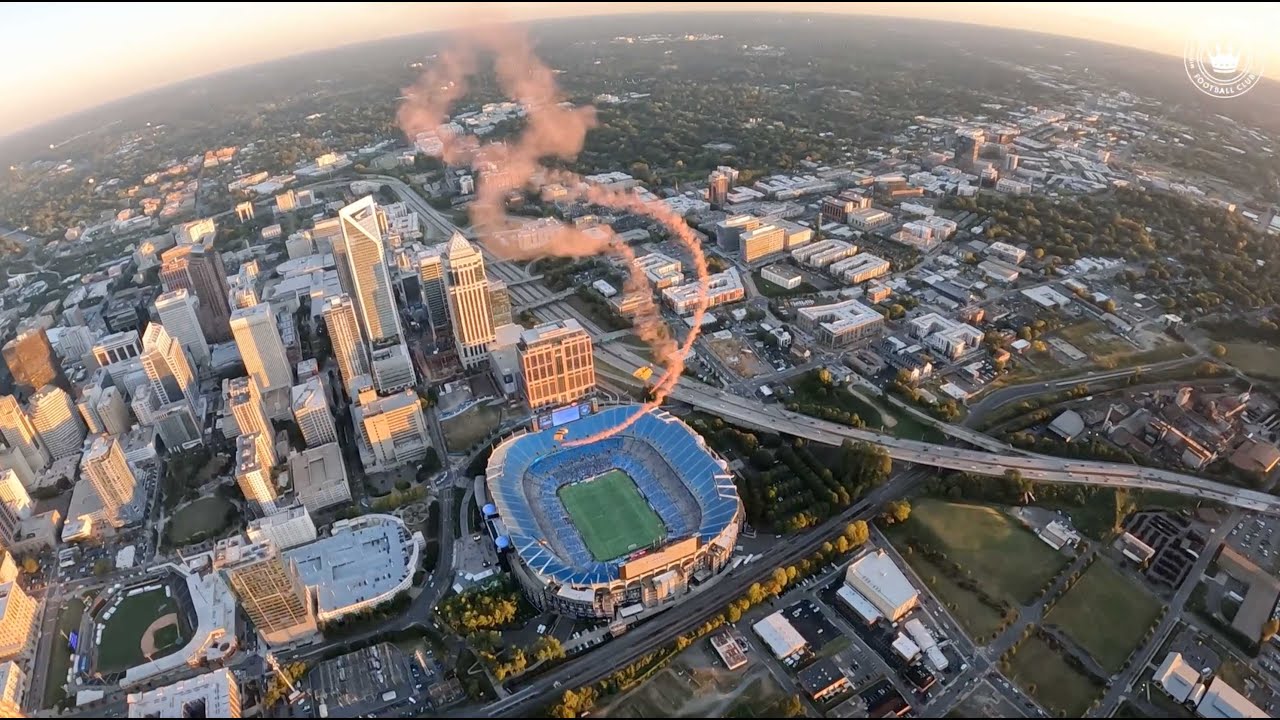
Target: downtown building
[(340, 320), (20, 434), (374, 297), (33, 363), (270, 591), (261, 348), (58, 422), (469, 309), (312, 413), (254, 473), (393, 429), (245, 402), (557, 367), (431, 280), (198, 269), (179, 312), (107, 471)]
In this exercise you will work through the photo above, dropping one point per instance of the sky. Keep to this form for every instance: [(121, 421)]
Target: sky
[(60, 58)]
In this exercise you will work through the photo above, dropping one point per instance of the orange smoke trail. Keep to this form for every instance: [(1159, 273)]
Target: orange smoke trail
[(551, 130)]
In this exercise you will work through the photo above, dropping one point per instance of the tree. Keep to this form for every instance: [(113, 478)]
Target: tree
[(1270, 628), (857, 532), (101, 567), (30, 565), (1219, 351), (897, 511), (824, 377)]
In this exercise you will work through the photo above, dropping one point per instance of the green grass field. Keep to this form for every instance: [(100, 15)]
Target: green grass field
[(121, 645), (1107, 613), (980, 619), (611, 515), (1254, 358), (1042, 672), (1007, 558), (60, 657), (200, 520)]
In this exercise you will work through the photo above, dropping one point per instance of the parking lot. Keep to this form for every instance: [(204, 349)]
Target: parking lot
[(1256, 538)]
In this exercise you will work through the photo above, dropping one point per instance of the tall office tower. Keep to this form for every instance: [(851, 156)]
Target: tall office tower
[(113, 412), (214, 694), (118, 353), (366, 259), (270, 590), (13, 688), (13, 494), (177, 425), (165, 362), (556, 364), (435, 295), (21, 435), (245, 401), (393, 428), (33, 363), (717, 189), (12, 460), (179, 312), (88, 407), (8, 527), (969, 146), (311, 410), (391, 367), (17, 620), (242, 297), (108, 472), (199, 270), (344, 336), (55, 417), (74, 342), (500, 303), (469, 309), (253, 474), (288, 527), (261, 348)]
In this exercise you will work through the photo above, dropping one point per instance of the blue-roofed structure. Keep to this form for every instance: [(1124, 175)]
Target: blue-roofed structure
[(685, 483)]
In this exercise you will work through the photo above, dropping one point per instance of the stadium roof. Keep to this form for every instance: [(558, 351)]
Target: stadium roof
[(710, 484)]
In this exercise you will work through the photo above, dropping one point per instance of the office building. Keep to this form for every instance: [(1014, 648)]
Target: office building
[(662, 271), (782, 276), (320, 477), (261, 348), (214, 694), (289, 527), (106, 469), (179, 312), (177, 425), (869, 219), (391, 366), (269, 589), (722, 288), (20, 434), (760, 242), (73, 343), (717, 189), (393, 429), (841, 324), (340, 320), (859, 268), (1013, 187), (195, 232), (363, 563), (556, 364), (17, 621), (112, 411), (1007, 252), (198, 269), (8, 526), (33, 363), (165, 362), (366, 261), (55, 417), (968, 146), (312, 413), (500, 303), (118, 353), (431, 280), (299, 245), (245, 401), (253, 473), (878, 579), (12, 460), (469, 310), (13, 689), (729, 230), (837, 210), (13, 495), (823, 253)]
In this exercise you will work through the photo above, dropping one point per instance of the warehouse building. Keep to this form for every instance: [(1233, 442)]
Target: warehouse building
[(878, 579)]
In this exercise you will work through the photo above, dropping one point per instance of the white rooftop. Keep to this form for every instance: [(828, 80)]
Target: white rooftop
[(878, 571), (363, 562), (779, 635), (211, 693), (839, 316), (1223, 701), (1177, 677)]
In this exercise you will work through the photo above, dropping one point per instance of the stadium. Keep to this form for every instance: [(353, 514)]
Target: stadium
[(611, 528)]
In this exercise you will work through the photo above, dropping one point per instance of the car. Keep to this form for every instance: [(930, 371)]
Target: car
[(557, 685)]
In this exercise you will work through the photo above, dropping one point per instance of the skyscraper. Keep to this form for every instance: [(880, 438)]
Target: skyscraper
[(245, 401), (8, 526), (556, 364), (180, 315), (311, 410), (12, 459), (17, 620), (717, 189), (366, 260), (499, 303), (13, 494), (55, 417), (33, 363), (469, 308), (391, 367), (119, 353), (103, 464), (393, 429), (198, 269), (270, 590), (435, 296), (20, 434), (168, 371), (253, 474), (261, 348), (344, 336)]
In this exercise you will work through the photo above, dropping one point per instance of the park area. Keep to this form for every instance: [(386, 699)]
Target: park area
[(1106, 613), (1047, 677), (696, 685), (200, 520), (146, 625), (1254, 358), (611, 515), (470, 426)]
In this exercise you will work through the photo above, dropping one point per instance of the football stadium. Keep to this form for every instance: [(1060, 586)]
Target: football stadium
[(611, 528)]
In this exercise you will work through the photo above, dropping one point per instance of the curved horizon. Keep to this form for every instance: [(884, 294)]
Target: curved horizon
[(107, 53)]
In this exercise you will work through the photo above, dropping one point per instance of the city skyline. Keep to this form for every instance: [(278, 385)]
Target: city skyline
[(77, 78)]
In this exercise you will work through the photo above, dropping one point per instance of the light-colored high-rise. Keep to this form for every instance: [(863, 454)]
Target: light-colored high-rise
[(367, 263), (177, 425), (113, 411), (55, 417), (288, 527), (119, 353), (165, 362), (8, 526), (245, 401), (270, 591), (214, 694), (104, 466), (435, 296), (499, 303), (13, 494), (393, 428), (13, 688), (339, 313), (17, 620), (312, 413), (13, 459), (253, 474), (556, 364), (179, 313), (391, 367), (261, 348), (320, 477), (469, 309), (21, 434)]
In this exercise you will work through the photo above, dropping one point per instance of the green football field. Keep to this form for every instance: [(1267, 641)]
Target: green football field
[(611, 515)]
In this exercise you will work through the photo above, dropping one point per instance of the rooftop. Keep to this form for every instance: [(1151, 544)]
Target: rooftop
[(208, 695), (363, 560), (880, 574), (316, 469), (840, 316), (1177, 677), (1223, 701), (553, 330)]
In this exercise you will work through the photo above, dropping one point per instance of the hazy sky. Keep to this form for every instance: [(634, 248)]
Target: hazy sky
[(59, 58)]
